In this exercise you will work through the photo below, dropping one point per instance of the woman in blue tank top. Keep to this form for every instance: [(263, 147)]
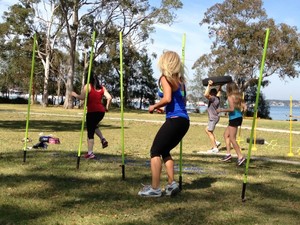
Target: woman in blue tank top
[(172, 93), (235, 107)]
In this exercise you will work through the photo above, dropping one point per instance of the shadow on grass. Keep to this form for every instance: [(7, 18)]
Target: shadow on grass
[(48, 126), (18, 214), (51, 177), (201, 183)]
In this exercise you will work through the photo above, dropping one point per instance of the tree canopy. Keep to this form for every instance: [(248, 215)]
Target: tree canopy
[(65, 28), (237, 28)]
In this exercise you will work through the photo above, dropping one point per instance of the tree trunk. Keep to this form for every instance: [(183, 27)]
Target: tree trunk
[(85, 71), (46, 81), (68, 104), (72, 34)]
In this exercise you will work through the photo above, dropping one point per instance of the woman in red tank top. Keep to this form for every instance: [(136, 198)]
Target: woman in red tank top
[(95, 112)]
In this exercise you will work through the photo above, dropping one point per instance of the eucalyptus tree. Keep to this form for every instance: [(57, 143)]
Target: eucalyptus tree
[(134, 18), (237, 29), (48, 27), (16, 47), (196, 88), (29, 17), (145, 84), (139, 84)]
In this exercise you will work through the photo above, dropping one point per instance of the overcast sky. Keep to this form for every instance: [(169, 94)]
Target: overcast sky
[(198, 43)]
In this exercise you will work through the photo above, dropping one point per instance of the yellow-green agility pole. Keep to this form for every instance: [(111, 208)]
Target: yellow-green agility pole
[(180, 155), (85, 99), (255, 113), (254, 148), (122, 104), (29, 96)]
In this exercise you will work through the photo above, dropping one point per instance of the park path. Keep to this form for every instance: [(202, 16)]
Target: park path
[(218, 125), (161, 121)]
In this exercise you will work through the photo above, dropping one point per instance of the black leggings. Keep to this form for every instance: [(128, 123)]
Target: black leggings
[(168, 136), (92, 120)]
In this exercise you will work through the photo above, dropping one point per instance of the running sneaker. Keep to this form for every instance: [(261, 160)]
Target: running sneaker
[(89, 156), (240, 161), (172, 189), (218, 144), (213, 150), (148, 191), (104, 143), (226, 158)]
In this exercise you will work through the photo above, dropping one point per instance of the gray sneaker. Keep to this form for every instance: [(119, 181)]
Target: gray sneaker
[(172, 189), (148, 191), (213, 150), (226, 158), (240, 161)]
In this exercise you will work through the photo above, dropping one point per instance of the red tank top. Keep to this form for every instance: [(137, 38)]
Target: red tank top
[(94, 103)]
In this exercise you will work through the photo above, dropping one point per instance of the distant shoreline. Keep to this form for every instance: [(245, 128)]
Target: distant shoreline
[(274, 102)]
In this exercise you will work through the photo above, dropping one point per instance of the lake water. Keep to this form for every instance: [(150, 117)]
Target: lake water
[(276, 112), (283, 112)]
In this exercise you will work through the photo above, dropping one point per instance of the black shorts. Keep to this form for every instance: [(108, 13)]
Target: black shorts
[(236, 122), (92, 120), (168, 136)]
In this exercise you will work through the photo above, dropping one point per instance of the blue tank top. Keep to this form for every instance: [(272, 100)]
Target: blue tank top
[(176, 108), (235, 114)]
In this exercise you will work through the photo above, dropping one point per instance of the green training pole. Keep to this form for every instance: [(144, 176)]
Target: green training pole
[(180, 155), (122, 104), (85, 99), (255, 113), (29, 96)]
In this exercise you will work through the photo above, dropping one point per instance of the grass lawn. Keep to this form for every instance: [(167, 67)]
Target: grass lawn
[(48, 189)]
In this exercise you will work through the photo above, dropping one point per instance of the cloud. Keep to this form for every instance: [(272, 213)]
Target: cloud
[(171, 37)]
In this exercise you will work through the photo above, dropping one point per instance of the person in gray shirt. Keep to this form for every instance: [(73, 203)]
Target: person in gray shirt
[(213, 96)]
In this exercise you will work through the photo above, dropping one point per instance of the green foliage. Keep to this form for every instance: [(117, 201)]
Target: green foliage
[(238, 29), (238, 32), (143, 84), (263, 109), (196, 88), (59, 34), (16, 40), (138, 80)]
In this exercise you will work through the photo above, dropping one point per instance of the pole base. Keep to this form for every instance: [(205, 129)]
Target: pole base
[(180, 183), (123, 172), (78, 162), (24, 156), (244, 192)]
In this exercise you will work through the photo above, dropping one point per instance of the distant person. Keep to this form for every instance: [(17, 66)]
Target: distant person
[(235, 107), (95, 112), (172, 93), (213, 96)]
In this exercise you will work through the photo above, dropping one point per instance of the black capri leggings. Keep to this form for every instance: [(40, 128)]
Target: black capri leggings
[(92, 120), (168, 136)]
